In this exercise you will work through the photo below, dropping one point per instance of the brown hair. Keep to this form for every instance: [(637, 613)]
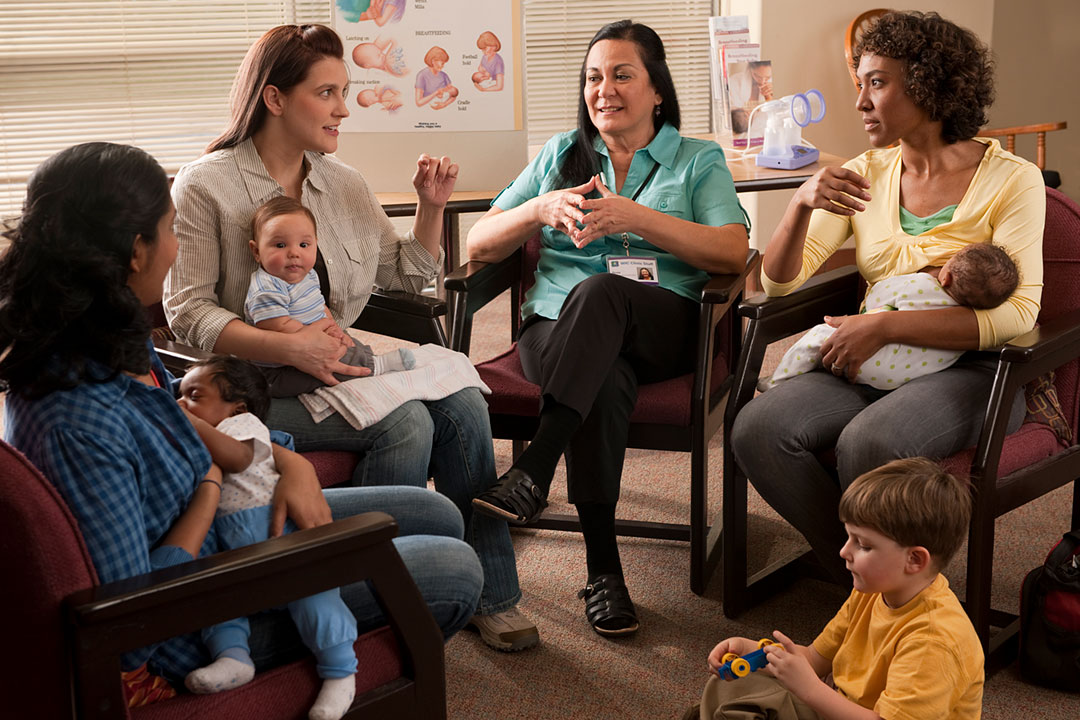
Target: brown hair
[(272, 208), (436, 53), (282, 58), (488, 38), (984, 276), (948, 71), (913, 502)]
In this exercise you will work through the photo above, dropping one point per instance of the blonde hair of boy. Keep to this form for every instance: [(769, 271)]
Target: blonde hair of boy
[(914, 503)]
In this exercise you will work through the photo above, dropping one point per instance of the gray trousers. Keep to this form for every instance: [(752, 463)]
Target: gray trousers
[(778, 435), (287, 381)]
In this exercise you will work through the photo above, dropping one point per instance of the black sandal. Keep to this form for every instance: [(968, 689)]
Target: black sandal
[(513, 498), (608, 606)]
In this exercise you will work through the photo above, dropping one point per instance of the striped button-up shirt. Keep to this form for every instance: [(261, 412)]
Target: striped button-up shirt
[(216, 197)]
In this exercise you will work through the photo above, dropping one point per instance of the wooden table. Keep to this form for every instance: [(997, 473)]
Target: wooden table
[(748, 178)]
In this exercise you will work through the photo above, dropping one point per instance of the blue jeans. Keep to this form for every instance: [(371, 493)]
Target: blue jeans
[(429, 541), (777, 435), (448, 439)]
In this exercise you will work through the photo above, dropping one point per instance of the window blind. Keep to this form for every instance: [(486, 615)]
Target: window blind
[(557, 33), (157, 73)]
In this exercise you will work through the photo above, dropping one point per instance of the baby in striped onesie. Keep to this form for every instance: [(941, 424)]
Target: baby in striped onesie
[(284, 295), (978, 276)]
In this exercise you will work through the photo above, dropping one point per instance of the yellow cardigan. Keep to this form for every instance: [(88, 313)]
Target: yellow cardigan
[(1004, 204)]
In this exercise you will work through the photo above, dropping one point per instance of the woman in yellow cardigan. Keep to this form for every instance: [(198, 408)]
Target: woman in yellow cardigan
[(925, 86)]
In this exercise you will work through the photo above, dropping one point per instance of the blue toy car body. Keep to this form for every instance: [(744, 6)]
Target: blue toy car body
[(735, 667)]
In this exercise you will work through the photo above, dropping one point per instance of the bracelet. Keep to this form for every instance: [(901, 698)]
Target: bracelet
[(211, 480)]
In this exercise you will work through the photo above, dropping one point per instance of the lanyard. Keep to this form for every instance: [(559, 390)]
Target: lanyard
[(626, 236)]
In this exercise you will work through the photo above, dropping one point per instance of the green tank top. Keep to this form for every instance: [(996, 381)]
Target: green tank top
[(912, 224)]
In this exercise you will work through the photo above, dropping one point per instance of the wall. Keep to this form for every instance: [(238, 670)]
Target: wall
[(807, 50), (1037, 52)]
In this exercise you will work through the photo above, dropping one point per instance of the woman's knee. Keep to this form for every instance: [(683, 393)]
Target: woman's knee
[(863, 446), (449, 577)]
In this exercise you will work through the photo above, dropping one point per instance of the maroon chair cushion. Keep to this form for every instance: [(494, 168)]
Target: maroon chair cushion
[(287, 691), (1031, 443), (333, 467), (662, 403)]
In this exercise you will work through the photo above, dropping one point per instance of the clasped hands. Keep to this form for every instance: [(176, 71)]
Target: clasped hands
[(786, 662), (609, 214)]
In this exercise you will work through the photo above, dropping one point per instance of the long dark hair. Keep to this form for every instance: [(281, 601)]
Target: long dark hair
[(580, 162), (64, 298), (282, 58)]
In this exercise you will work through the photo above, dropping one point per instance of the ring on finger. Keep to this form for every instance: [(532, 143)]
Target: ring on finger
[(837, 368)]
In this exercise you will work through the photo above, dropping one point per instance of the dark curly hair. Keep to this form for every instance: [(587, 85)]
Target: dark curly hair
[(64, 297), (580, 162), (239, 381), (948, 71)]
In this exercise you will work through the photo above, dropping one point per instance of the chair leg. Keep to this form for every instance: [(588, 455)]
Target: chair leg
[(980, 568), (701, 565), (735, 536)]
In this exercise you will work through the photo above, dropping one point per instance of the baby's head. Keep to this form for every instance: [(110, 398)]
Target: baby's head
[(912, 502), (980, 276), (222, 386), (283, 239), (367, 98)]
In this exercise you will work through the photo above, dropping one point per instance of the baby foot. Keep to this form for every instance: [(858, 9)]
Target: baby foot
[(224, 673), (393, 361), (334, 699)]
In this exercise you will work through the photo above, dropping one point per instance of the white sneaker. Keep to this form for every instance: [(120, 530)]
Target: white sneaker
[(508, 630)]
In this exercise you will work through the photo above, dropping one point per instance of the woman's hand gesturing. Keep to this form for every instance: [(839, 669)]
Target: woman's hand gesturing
[(434, 180), (561, 209), (834, 189), (608, 215)]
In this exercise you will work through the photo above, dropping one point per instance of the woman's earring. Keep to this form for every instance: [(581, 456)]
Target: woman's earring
[(656, 111)]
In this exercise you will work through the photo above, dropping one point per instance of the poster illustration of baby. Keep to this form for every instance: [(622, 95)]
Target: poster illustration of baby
[(383, 54), (384, 95), (381, 11), (489, 78), (433, 83)]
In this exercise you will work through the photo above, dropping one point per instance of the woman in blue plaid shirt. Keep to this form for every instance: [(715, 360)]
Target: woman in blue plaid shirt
[(90, 404)]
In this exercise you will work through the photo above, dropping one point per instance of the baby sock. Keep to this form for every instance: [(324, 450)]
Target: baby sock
[(393, 361), (224, 673), (334, 698)]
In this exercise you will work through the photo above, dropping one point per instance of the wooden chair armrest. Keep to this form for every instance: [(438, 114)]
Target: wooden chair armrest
[(474, 285), (839, 286), (403, 315), (1044, 348), (107, 620), (721, 289), (176, 356)]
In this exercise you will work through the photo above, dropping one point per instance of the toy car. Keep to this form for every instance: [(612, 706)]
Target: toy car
[(737, 667)]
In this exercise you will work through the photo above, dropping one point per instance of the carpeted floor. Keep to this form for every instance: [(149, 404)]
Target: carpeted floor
[(575, 673)]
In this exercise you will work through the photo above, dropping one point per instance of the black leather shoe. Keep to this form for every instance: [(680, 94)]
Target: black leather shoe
[(608, 607), (513, 498)]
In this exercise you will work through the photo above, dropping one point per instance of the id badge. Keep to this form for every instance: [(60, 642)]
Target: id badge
[(640, 269)]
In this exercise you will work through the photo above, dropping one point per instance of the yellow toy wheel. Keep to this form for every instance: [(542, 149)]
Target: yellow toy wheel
[(764, 642), (728, 657), (740, 667)]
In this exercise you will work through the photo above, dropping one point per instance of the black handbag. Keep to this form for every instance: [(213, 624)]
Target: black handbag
[(1050, 618)]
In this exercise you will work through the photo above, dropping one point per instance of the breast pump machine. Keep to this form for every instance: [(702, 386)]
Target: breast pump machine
[(784, 147)]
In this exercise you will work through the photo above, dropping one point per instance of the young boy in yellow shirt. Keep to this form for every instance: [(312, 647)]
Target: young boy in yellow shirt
[(901, 647)]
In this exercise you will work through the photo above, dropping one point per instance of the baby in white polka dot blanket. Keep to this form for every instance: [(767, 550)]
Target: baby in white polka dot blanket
[(977, 276)]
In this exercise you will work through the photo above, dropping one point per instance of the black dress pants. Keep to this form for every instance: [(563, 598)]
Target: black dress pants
[(612, 333)]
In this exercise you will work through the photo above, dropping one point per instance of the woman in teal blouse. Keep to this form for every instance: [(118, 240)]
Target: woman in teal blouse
[(622, 192)]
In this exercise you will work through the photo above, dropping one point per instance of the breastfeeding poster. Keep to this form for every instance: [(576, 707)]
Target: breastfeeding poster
[(430, 65)]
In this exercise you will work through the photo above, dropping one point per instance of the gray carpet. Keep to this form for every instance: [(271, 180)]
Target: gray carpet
[(661, 670)]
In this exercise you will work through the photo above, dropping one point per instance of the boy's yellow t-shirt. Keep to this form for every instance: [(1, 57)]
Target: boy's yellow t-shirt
[(922, 660)]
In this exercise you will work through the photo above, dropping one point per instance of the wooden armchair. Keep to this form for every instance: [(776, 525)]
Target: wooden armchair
[(1006, 471), (69, 632), (681, 414)]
